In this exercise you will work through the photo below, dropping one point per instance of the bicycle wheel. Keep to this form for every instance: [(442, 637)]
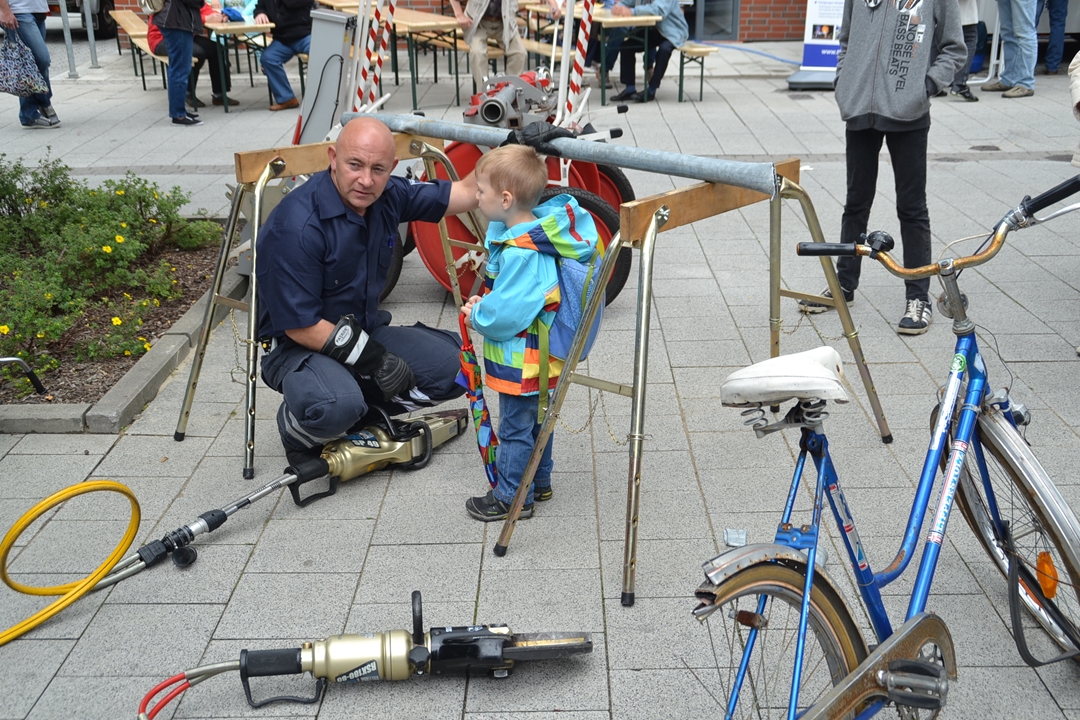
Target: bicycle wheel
[(607, 224), (1045, 530), (834, 646)]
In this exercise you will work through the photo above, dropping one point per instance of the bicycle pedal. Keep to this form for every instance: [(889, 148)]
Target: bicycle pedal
[(915, 683)]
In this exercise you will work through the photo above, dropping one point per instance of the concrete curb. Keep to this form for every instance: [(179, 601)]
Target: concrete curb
[(139, 385)]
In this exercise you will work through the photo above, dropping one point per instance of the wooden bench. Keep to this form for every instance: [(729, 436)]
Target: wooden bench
[(694, 54), (543, 50), (442, 41)]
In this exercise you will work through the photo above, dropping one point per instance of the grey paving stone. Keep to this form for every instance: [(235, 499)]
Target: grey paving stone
[(180, 634), (96, 445), (29, 668), (95, 697), (283, 605), (153, 456), (572, 599), (447, 573), (664, 568), (38, 476), (664, 693), (279, 552), (211, 579)]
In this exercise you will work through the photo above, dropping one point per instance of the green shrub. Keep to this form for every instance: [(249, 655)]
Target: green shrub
[(79, 266)]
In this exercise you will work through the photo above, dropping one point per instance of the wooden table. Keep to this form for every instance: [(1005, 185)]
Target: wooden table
[(224, 31), (634, 25)]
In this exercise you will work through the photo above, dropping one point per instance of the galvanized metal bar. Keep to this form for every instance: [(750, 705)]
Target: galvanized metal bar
[(774, 276), (604, 385), (789, 189), (208, 316), (753, 176), (547, 427), (637, 417)]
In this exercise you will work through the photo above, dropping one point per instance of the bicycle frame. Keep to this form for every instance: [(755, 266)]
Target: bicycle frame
[(967, 363)]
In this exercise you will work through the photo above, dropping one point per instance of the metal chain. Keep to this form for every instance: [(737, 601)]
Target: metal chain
[(588, 421), (237, 342)]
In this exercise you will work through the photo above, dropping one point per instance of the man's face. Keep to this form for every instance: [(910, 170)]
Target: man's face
[(360, 168)]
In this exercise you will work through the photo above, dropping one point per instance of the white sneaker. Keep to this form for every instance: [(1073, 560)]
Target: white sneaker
[(917, 319)]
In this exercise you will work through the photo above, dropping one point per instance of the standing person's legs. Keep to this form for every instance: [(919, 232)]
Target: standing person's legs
[(908, 153), (32, 32), (1009, 50), (959, 82), (1027, 44), (180, 44), (1056, 46), (478, 54), (518, 430), (861, 153), (273, 61), (515, 56)]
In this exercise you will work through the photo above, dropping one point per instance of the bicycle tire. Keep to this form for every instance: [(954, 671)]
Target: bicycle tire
[(833, 641), (1040, 518), (607, 221)]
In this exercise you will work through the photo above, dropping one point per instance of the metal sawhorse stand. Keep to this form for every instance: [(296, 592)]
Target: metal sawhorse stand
[(641, 221), (253, 170)]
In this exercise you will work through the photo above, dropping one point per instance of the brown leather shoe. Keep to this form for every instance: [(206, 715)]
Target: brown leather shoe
[(287, 105), (218, 100)]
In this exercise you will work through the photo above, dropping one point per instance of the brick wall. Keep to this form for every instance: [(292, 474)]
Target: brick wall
[(771, 20)]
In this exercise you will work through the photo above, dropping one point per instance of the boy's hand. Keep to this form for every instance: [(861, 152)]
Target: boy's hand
[(466, 310)]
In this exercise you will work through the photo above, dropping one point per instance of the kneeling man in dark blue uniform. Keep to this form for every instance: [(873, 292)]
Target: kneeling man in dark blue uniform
[(323, 257)]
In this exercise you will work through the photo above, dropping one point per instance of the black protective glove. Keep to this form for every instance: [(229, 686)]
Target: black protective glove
[(352, 347), (538, 135)]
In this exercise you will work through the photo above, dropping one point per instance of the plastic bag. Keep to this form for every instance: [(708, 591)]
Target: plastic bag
[(19, 74)]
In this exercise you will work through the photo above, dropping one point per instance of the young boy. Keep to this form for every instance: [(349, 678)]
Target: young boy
[(522, 285)]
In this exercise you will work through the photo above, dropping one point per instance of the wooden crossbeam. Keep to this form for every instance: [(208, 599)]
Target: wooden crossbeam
[(693, 202), (310, 158)]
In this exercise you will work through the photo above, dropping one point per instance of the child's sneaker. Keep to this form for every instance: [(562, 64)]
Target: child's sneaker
[(488, 508), (541, 494)]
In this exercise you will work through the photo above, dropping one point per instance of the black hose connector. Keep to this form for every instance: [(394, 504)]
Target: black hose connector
[(153, 553), (214, 519)]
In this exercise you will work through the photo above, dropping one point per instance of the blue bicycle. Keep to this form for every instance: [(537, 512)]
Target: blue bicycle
[(786, 640)]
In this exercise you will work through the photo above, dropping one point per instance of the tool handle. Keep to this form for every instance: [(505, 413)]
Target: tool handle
[(263, 663), (817, 249), (1051, 196)]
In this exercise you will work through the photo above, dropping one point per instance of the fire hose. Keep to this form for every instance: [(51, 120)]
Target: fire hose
[(405, 444)]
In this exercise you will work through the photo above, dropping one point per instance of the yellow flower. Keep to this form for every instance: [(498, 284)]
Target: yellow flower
[(153, 220), (155, 196), (117, 321), (127, 352), (156, 303), (42, 203), (41, 335), (146, 346), (106, 248), (119, 192), (172, 269), (48, 296), (145, 303), (138, 322), (174, 282), (127, 296), (4, 329), (119, 238), (123, 225), (29, 200), (142, 339)]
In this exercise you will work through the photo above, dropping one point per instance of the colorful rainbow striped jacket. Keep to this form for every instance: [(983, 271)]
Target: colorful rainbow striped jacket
[(523, 290)]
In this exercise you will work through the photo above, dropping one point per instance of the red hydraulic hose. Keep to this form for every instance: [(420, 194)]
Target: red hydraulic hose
[(158, 688), (167, 699)]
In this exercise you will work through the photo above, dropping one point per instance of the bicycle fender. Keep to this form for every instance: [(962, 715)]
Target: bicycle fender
[(738, 559)]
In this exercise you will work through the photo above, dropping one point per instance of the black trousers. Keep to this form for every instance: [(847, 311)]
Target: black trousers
[(654, 43), (323, 399), (908, 153), (970, 38)]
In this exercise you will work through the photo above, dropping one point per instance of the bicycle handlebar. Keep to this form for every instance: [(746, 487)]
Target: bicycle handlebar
[(1017, 218)]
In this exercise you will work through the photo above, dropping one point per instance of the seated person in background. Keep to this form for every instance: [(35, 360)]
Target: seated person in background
[(669, 33), (524, 242), (292, 36), (483, 19), (203, 49)]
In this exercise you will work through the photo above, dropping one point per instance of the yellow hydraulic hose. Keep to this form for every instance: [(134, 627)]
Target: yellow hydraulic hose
[(71, 591)]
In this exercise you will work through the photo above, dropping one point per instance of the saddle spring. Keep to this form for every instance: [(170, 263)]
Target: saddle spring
[(813, 411), (755, 417)]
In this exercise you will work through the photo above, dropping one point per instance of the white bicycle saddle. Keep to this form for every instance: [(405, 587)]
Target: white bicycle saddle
[(814, 374)]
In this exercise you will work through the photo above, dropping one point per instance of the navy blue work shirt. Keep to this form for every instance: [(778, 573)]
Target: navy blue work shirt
[(316, 259)]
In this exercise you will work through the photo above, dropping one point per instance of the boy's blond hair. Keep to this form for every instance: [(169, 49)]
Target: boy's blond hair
[(516, 169)]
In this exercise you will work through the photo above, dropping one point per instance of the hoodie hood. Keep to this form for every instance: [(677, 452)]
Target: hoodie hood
[(561, 229)]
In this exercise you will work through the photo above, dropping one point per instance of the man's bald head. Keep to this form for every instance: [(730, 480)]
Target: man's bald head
[(361, 161)]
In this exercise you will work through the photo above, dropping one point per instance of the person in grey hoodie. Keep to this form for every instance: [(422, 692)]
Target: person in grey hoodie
[(894, 55)]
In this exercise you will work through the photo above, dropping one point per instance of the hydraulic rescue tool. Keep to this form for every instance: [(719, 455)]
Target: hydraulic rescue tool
[(406, 443), (393, 655)]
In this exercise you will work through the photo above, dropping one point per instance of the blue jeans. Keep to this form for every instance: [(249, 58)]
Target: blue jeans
[(1021, 45), (180, 45), (517, 434), (273, 61), (32, 32), (1056, 46)]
